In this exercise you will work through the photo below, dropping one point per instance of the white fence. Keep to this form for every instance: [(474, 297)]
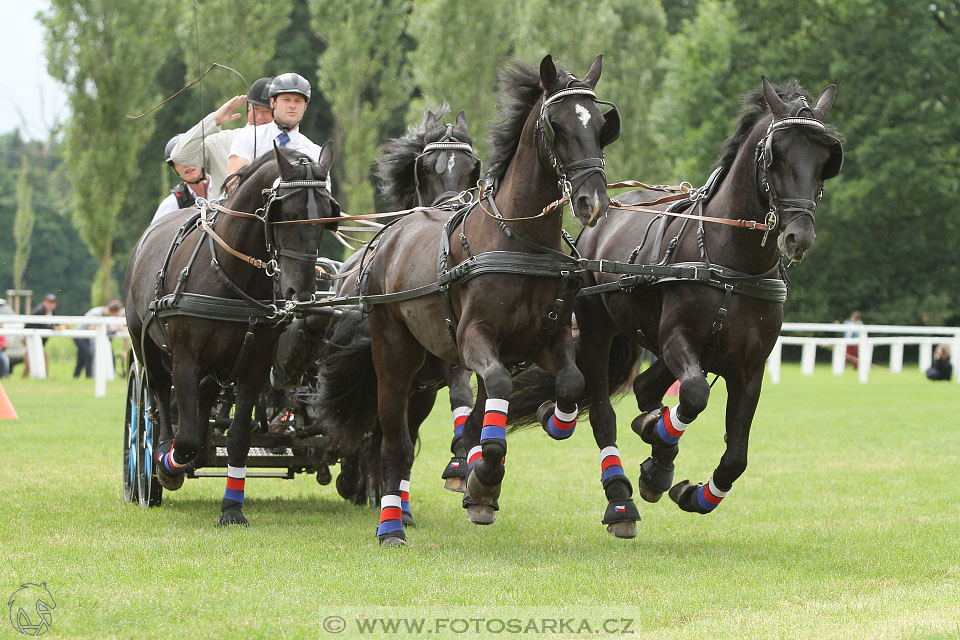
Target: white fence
[(103, 353), (896, 337)]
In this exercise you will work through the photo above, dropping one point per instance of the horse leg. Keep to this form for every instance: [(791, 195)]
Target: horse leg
[(238, 448), (485, 460), (419, 408), (461, 404), (559, 419), (397, 356), (174, 456), (656, 472), (743, 394), (209, 391)]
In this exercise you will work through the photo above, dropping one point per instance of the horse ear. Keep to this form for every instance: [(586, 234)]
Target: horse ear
[(593, 75), (548, 72), (462, 122), (777, 106), (825, 101), (429, 121), (326, 158), (283, 163)]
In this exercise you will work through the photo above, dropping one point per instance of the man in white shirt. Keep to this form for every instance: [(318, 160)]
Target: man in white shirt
[(195, 184), (208, 144), (289, 96)]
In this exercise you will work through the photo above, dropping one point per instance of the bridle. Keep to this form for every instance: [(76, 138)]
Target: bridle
[(799, 207), (447, 142), (571, 176)]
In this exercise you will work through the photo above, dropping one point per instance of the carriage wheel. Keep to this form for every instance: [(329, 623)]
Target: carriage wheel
[(150, 491), (130, 446)]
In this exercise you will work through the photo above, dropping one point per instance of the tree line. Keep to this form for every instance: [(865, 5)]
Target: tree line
[(887, 227)]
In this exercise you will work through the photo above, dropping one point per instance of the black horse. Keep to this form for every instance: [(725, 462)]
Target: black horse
[(229, 282), (511, 301), (716, 306), (432, 163)]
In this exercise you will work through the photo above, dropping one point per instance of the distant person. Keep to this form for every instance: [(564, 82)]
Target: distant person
[(853, 351), (46, 308), (194, 184), (208, 144), (941, 369), (289, 96), (4, 358), (85, 346)]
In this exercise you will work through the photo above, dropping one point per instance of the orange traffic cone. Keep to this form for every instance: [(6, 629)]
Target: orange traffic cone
[(6, 407)]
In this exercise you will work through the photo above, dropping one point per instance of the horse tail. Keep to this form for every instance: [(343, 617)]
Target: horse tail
[(535, 386), (347, 383)]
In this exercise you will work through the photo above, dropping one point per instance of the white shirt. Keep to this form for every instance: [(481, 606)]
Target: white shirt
[(263, 136), (190, 152), (169, 204)]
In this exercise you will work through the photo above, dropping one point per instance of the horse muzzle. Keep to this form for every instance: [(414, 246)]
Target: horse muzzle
[(588, 207), (796, 239)]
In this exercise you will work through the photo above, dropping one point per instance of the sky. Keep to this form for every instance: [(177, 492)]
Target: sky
[(30, 100)]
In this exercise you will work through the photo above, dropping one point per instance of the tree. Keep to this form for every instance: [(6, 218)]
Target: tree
[(363, 75), (105, 54), (22, 224)]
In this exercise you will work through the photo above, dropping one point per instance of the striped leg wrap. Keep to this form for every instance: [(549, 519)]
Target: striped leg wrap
[(236, 477), (670, 427), (610, 465), (495, 421), (459, 419), (390, 515), (169, 465), (475, 454), (405, 496), (561, 424), (709, 496)]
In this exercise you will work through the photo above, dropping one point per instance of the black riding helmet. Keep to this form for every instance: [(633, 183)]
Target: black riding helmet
[(290, 83), (259, 92), (168, 150)]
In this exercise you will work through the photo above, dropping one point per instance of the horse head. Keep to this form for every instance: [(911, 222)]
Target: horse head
[(572, 133), (795, 156), (448, 164), (299, 194)]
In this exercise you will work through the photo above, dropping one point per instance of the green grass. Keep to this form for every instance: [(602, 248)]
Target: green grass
[(845, 525)]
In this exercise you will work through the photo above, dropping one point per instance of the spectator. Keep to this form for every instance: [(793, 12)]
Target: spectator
[(208, 144), (46, 308), (853, 332), (4, 359), (194, 184), (85, 346), (941, 368)]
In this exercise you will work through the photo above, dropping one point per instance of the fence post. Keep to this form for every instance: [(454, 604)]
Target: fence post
[(102, 359), (839, 360), (808, 358), (773, 362), (38, 364), (926, 356), (955, 355), (896, 356), (864, 358)]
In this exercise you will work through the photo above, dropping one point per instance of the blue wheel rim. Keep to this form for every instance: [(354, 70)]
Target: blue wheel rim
[(132, 444), (148, 439)]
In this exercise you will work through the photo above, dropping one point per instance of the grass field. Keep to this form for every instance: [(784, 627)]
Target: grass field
[(845, 525)]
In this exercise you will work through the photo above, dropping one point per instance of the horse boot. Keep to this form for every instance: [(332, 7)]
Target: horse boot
[(455, 473), (169, 475), (558, 424), (231, 507), (481, 499), (694, 497), (621, 515)]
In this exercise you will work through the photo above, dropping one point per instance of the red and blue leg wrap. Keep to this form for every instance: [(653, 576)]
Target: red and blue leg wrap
[(459, 419), (561, 424), (391, 516), (709, 496), (405, 497), (236, 477), (169, 465), (670, 427), (495, 421), (610, 465)]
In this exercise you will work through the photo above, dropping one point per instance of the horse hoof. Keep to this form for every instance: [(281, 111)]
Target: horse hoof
[(481, 514), (232, 516), (458, 485), (391, 542), (168, 482), (544, 412), (647, 493), (624, 530), (407, 520)]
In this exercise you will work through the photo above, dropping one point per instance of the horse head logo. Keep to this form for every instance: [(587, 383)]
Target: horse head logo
[(30, 609)]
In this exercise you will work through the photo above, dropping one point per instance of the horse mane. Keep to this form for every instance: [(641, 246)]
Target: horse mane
[(755, 108), (519, 90), (395, 165)]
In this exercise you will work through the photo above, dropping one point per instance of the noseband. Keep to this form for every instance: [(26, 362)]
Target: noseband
[(272, 197), (572, 176), (799, 207), (446, 143)]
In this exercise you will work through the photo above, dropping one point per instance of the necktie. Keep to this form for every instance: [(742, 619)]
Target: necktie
[(283, 139)]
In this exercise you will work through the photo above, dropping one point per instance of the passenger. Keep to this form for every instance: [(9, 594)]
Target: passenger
[(208, 144), (195, 183)]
